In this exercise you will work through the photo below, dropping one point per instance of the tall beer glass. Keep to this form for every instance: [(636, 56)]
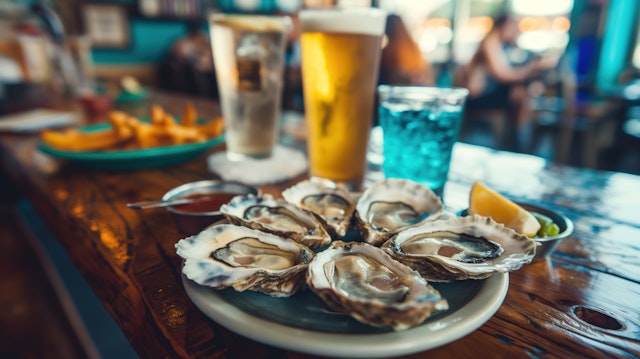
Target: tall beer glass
[(248, 54), (340, 60)]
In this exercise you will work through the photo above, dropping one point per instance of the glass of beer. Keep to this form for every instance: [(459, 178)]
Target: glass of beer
[(340, 59), (248, 54)]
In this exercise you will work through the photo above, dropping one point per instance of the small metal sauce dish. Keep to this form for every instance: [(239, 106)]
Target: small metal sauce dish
[(549, 244), (191, 222)]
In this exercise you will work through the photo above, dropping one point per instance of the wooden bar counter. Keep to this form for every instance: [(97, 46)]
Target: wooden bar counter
[(583, 301)]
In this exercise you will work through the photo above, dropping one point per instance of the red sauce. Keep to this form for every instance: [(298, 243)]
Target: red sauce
[(204, 202)]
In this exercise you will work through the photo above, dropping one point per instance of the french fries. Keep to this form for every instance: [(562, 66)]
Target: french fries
[(74, 140), (128, 132), (190, 115)]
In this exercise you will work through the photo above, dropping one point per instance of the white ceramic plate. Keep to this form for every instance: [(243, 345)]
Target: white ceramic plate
[(301, 322)]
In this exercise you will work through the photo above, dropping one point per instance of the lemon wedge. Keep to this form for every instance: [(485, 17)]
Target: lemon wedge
[(486, 202)]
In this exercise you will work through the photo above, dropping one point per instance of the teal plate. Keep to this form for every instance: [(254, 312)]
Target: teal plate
[(125, 96), (303, 323), (132, 159)]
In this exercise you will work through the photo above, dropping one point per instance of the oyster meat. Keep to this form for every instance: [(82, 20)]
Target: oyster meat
[(227, 255), (389, 206), (333, 204), (365, 282), (472, 247), (276, 216)]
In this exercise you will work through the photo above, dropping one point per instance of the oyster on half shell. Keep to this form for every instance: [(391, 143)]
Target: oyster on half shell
[(227, 255), (333, 204), (366, 283), (472, 247), (389, 206), (276, 216)]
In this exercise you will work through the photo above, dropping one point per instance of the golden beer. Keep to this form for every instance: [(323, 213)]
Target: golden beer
[(339, 71)]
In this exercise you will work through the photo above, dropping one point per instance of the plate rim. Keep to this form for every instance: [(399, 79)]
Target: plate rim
[(129, 154), (447, 329)]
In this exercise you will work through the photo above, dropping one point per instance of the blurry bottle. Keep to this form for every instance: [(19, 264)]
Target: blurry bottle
[(24, 62), (66, 74)]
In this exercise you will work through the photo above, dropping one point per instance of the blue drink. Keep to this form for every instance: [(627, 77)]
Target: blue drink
[(420, 127)]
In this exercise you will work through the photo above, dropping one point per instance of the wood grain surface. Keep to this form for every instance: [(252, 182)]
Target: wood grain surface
[(581, 302)]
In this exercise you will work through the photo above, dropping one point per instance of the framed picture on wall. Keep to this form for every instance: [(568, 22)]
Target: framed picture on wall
[(106, 24), (173, 9)]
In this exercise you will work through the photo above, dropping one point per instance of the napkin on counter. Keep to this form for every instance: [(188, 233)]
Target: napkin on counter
[(285, 163), (35, 120)]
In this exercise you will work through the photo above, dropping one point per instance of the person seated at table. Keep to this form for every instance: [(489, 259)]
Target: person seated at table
[(495, 83), (401, 61)]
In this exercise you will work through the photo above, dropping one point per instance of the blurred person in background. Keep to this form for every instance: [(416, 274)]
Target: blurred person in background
[(494, 83), (401, 61)]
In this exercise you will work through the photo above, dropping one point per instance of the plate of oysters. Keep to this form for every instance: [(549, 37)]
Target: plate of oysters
[(321, 271)]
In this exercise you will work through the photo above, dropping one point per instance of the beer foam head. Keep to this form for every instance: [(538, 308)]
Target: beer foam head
[(368, 21), (257, 23)]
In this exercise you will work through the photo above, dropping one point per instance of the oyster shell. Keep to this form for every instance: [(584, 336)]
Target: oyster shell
[(365, 282), (227, 255), (334, 205), (393, 204), (472, 247), (276, 216)]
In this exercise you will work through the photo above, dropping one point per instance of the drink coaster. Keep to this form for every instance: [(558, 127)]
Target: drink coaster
[(284, 164)]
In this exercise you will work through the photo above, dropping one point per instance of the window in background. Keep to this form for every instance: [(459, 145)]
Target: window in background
[(473, 20), (430, 24), (544, 24), (288, 6), (451, 30), (342, 3), (319, 3), (354, 3)]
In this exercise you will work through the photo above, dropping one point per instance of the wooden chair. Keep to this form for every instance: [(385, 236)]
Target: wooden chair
[(499, 126), (583, 125)]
